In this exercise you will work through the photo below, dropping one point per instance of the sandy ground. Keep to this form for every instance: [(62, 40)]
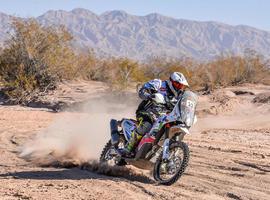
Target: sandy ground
[(230, 159)]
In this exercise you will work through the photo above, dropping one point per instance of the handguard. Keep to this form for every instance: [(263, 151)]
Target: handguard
[(159, 98)]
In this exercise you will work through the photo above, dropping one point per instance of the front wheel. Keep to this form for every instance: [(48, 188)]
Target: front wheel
[(168, 172)]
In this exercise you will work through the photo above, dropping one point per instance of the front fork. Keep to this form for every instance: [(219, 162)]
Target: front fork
[(166, 146), (166, 150)]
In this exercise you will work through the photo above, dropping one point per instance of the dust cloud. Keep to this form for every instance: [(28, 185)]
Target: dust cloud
[(78, 135)]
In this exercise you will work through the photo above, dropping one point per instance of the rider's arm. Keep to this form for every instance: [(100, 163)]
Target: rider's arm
[(149, 88), (145, 93)]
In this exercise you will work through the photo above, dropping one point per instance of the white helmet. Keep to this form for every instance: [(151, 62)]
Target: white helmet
[(177, 83)]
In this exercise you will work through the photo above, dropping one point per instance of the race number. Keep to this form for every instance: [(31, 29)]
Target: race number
[(190, 104)]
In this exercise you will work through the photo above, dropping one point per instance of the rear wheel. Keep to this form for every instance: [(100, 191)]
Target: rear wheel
[(168, 172), (110, 156)]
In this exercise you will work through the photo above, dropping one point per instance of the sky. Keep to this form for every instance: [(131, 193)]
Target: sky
[(254, 13)]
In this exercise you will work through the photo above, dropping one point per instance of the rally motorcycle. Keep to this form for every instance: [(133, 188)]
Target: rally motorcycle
[(162, 150)]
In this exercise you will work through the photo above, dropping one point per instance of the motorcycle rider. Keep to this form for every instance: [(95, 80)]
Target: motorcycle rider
[(147, 112)]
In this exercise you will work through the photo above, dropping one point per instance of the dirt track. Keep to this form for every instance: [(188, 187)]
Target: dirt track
[(230, 159)]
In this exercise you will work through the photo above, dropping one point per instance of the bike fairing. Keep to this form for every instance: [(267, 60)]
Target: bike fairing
[(184, 112)]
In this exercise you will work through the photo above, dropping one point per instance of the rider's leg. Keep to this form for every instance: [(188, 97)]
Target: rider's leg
[(144, 126), (145, 120), (137, 134)]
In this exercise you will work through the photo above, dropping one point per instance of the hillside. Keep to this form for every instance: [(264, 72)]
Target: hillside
[(118, 33)]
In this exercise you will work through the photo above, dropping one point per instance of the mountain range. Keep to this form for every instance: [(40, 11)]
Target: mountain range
[(117, 33)]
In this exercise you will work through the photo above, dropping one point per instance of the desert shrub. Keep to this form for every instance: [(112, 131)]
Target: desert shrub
[(88, 67), (234, 70), (34, 59), (256, 69), (122, 72), (230, 70)]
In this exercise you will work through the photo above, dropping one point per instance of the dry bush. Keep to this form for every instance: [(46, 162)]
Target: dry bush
[(127, 71), (162, 68), (122, 72), (34, 59), (88, 67), (231, 70)]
